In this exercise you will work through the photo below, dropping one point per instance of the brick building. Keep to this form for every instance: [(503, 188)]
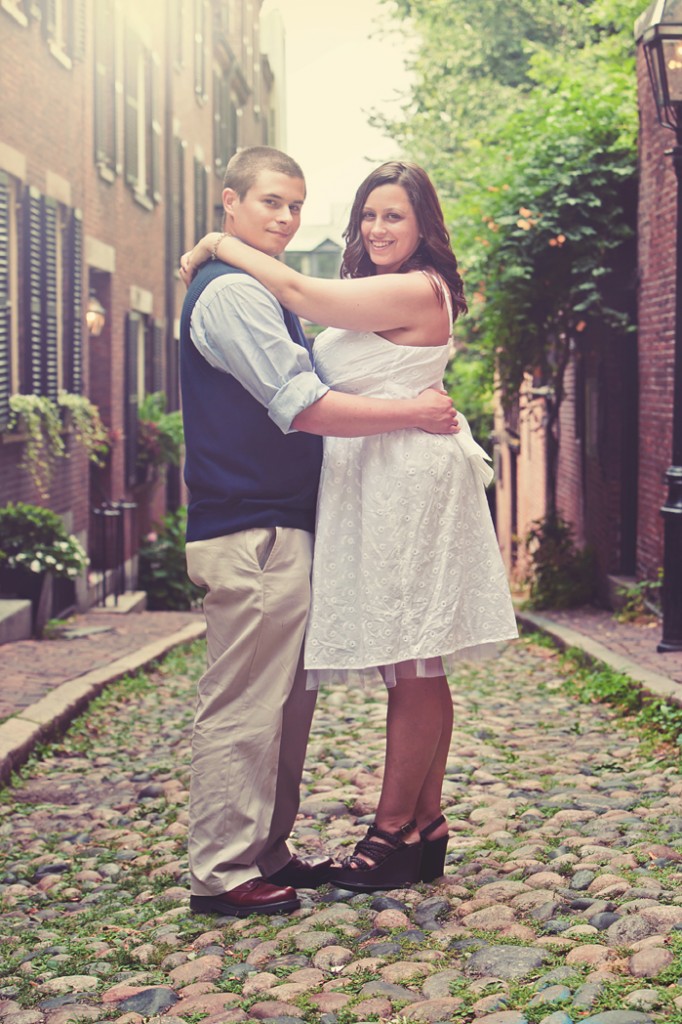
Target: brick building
[(116, 122), (596, 473), (656, 259)]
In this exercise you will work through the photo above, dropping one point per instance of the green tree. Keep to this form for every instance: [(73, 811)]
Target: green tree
[(538, 179)]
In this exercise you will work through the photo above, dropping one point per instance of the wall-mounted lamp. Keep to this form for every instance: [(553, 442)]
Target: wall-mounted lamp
[(95, 316)]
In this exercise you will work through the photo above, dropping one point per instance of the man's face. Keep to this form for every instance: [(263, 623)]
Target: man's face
[(269, 215)]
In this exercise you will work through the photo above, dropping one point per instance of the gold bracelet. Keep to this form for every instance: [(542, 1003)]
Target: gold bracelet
[(214, 250)]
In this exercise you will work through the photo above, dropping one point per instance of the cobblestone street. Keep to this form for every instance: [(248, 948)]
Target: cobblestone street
[(562, 900)]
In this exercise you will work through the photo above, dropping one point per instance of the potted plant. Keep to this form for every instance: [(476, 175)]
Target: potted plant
[(160, 436), (163, 567), (83, 417), (36, 548), (37, 419)]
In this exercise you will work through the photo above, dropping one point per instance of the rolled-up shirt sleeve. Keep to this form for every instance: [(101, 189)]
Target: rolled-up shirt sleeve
[(238, 327)]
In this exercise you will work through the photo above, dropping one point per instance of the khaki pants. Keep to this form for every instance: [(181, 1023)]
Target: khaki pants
[(253, 712)]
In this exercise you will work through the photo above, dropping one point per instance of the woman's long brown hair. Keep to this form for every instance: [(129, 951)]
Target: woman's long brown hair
[(434, 251)]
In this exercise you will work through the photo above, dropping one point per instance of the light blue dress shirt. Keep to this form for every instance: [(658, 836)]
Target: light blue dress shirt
[(238, 327)]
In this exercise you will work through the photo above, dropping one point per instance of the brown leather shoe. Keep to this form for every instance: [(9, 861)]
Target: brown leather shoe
[(253, 897), (303, 873)]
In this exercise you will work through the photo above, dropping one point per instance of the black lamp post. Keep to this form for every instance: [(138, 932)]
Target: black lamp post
[(660, 30)]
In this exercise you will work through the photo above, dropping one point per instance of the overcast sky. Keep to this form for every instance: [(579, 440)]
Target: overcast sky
[(335, 75)]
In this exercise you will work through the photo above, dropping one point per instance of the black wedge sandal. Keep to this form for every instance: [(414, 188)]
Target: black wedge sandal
[(395, 862), (433, 852)]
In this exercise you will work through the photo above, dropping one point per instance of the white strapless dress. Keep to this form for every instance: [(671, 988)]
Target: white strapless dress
[(406, 567)]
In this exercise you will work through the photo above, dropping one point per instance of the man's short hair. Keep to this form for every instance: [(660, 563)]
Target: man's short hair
[(245, 166)]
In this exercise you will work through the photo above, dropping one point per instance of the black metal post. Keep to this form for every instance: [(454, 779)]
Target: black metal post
[(672, 509)]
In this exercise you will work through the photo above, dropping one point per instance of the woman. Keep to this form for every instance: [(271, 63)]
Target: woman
[(407, 572)]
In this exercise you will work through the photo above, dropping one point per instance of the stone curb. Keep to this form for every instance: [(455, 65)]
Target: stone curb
[(50, 716), (653, 683)]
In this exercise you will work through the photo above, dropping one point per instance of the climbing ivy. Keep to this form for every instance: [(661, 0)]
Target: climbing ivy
[(530, 136)]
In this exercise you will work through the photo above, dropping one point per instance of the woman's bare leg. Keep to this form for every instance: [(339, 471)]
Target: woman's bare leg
[(418, 731), (430, 798)]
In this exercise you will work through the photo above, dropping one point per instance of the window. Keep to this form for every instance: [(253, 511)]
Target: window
[(178, 28), (200, 49), (144, 374), (200, 198), (176, 192), (105, 89), (225, 121), (221, 19), (64, 28), (142, 124), (53, 252)]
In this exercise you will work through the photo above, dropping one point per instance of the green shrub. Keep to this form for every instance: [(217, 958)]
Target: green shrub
[(163, 568), (34, 539), (641, 598), (560, 575), (160, 435)]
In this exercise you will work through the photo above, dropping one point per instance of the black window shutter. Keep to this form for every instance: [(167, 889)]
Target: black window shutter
[(78, 30), (199, 55), (101, 98), (50, 282), (131, 109), (176, 201), (34, 299), (131, 401), (74, 337), (200, 198), (155, 133), (158, 382), (172, 372), (104, 106), (217, 121), (5, 321), (49, 18)]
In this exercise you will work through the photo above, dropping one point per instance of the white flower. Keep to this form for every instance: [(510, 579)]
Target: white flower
[(50, 560), (35, 565)]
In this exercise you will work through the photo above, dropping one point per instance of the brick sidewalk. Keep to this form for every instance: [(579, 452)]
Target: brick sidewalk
[(45, 683), (30, 669), (628, 647)]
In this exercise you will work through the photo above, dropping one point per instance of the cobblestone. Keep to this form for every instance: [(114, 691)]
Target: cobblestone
[(562, 892)]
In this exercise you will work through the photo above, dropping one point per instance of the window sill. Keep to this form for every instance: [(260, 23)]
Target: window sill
[(60, 55), (13, 436), (11, 8), (142, 199), (106, 172)]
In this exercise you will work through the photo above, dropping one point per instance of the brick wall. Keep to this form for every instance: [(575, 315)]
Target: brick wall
[(656, 256), (47, 136)]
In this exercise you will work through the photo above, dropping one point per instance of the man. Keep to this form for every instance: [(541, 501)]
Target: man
[(254, 412)]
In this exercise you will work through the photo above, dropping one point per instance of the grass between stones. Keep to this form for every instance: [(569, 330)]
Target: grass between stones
[(93, 870)]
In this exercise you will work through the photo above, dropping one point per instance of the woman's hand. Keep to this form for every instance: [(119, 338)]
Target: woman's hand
[(200, 254), (436, 413)]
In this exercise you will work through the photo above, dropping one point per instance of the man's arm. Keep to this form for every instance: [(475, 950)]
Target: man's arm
[(238, 328), (340, 415)]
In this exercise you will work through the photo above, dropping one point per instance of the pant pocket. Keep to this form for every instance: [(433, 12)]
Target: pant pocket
[(264, 544)]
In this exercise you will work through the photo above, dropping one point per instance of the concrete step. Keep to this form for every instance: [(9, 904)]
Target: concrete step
[(131, 601), (15, 620)]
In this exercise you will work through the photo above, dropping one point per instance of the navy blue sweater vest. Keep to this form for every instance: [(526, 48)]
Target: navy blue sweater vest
[(240, 469)]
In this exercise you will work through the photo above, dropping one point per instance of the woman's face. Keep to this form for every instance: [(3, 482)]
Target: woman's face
[(389, 228)]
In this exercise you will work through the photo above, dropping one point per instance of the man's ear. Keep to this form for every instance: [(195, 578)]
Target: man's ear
[(230, 197)]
